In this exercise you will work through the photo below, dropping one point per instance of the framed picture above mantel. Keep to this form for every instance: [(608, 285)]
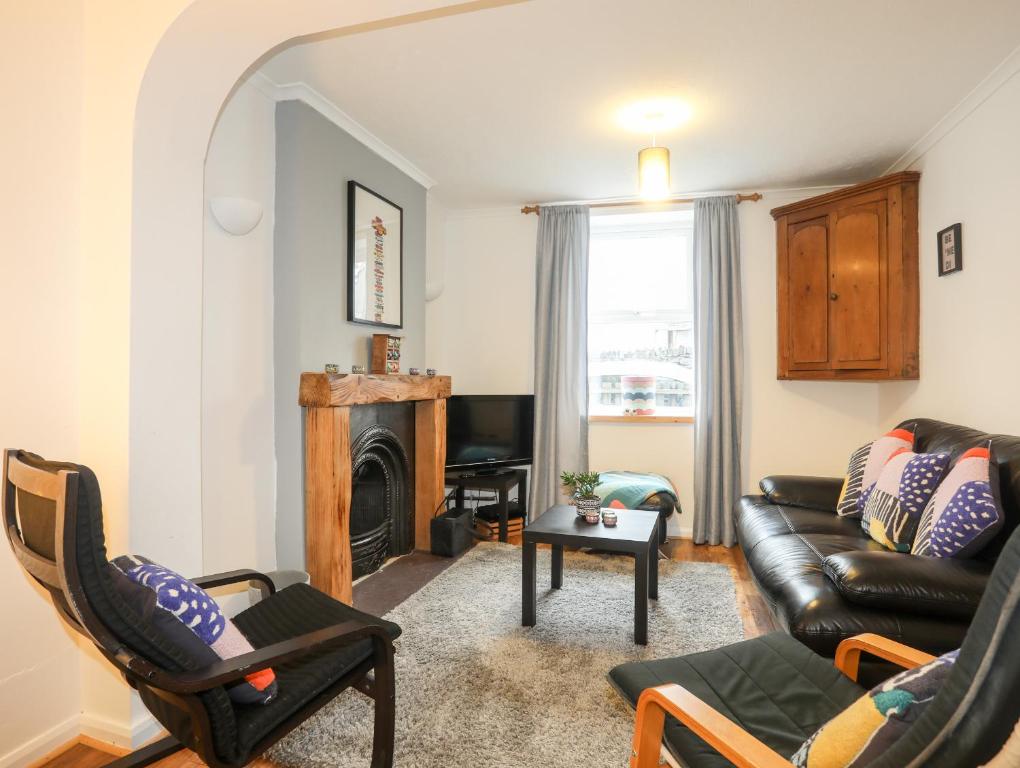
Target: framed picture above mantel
[(375, 258)]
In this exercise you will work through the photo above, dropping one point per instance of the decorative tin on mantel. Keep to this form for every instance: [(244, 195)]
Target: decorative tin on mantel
[(357, 369), (430, 371), (609, 518), (332, 368), (414, 372), (385, 353)]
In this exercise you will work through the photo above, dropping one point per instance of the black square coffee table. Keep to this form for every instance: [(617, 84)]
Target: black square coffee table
[(636, 533)]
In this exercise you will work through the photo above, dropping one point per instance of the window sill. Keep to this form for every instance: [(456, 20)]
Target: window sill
[(597, 419)]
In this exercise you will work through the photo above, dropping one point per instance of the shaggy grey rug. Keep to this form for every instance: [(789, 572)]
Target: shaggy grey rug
[(475, 688)]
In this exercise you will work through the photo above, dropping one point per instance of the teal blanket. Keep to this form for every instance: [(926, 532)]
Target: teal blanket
[(631, 489)]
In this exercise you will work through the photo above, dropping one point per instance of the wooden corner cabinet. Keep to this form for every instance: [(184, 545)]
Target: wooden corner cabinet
[(847, 283)]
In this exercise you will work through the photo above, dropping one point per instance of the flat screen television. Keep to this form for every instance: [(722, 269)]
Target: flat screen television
[(489, 431)]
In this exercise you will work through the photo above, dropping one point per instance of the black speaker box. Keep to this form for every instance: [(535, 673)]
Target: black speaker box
[(452, 532)]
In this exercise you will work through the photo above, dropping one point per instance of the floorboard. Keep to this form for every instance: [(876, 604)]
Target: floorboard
[(401, 578)]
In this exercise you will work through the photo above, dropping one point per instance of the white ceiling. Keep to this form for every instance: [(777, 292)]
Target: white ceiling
[(517, 103)]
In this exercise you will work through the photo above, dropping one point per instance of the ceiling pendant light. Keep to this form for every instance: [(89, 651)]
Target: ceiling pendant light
[(653, 173)]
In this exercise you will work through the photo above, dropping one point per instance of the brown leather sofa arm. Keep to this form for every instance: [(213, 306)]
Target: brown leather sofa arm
[(726, 737), (848, 653)]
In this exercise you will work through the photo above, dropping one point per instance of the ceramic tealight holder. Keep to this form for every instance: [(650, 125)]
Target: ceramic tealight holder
[(609, 518), (591, 516)]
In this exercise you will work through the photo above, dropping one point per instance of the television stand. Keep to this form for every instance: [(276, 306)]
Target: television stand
[(495, 472), (502, 481)]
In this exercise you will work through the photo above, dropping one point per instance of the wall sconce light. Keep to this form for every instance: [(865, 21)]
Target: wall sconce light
[(236, 215)]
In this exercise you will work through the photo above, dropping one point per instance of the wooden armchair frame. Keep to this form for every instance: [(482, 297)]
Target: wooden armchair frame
[(374, 677), (729, 739)]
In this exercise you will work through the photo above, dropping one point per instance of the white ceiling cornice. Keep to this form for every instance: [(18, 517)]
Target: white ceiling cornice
[(300, 91), (998, 77)]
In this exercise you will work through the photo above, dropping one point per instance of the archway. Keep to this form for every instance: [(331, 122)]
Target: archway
[(150, 428)]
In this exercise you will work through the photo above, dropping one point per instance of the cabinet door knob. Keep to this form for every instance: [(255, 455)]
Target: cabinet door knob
[(834, 296)]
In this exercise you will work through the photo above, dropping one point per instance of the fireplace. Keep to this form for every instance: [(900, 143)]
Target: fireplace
[(339, 410), (382, 485)]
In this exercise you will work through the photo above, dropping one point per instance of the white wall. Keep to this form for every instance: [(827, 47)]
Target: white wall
[(969, 365), (40, 691), (238, 456), (481, 330)]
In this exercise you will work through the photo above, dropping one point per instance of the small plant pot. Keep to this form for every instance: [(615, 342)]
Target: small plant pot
[(587, 505)]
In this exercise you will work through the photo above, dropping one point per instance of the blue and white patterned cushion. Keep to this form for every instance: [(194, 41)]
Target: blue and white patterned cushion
[(965, 513), (187, 618), (895, 504)]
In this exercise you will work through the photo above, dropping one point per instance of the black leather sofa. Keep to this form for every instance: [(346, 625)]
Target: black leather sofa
[(824, 579)]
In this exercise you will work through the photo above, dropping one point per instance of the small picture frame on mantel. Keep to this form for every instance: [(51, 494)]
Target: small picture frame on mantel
[(950, 250)]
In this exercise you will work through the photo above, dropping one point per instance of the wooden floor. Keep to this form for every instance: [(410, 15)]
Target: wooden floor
[(401, 578)]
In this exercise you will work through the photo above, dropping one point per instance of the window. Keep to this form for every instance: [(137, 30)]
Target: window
[(641, 315)]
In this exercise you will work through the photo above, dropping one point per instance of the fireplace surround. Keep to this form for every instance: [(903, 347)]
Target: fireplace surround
[(335, 418)]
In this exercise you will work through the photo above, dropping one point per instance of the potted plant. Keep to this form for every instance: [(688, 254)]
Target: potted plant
[(580, 487)]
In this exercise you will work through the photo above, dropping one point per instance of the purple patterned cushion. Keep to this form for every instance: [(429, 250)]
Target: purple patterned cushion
[(188, 618), (965, 513), (897, 500)]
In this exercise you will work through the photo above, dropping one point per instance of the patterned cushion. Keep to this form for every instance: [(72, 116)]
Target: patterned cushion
[(188, 617), (862, 732), (966, 512), (899, 496), (865, 466)]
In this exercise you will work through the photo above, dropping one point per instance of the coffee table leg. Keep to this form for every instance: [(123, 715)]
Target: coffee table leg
[(528, 586), (557, 566), (641, 597), (653, 570)]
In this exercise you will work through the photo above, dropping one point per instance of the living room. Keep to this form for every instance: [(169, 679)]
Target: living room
[(337, 293)]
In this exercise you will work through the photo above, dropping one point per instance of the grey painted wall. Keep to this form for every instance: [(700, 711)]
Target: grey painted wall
[(314, 161)]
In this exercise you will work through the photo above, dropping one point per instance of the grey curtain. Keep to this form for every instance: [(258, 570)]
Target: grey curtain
[(718, 363), (561, 352)]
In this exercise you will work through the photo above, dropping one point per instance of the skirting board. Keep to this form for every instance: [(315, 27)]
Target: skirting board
[(103, 729), (43, 744)]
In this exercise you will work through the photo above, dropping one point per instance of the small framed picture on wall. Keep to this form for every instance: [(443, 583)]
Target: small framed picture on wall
[(950, 250), (375, 258)]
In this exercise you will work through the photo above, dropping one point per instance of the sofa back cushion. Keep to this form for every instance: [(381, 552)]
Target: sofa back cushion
[(865, 466), (964, 514), (899, 497), (932, 436)]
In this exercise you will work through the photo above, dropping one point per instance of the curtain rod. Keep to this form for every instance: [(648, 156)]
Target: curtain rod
[(753, 197)]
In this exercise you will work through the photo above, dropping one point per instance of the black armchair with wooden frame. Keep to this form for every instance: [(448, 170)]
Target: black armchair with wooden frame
[(967, 724), (317, 646)]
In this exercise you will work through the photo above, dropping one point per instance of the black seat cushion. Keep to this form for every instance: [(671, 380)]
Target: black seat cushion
[(773, 687), (760, 518), (291, 612)]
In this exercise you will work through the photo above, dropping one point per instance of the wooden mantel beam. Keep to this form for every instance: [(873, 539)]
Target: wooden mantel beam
[(323, 390)]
